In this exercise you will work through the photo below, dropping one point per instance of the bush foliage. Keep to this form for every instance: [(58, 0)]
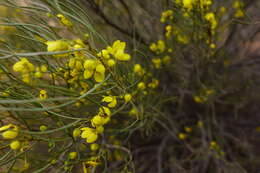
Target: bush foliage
[(126, 86)]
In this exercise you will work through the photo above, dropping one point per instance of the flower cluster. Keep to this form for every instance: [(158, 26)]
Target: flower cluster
[(26, 68), (10, 132)]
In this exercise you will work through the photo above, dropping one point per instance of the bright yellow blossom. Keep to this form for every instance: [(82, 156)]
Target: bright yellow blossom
[(141, 86), (76, 133), (111, 100), (99, 74), (154, 83), (94, 147), (89, 134), (118, 51), (11, 131), (166, 15), (138, 70), (58, 45), (127, 97), (15, 145), (99, 120), (104, 111), (64, 20), (73, 155), (23, 66), (157, 62), (158, 47), (43, 95), (210, 17), (182, 136), (89, 66), (188, 4), (10, 134), (111, 62), (43, 128)]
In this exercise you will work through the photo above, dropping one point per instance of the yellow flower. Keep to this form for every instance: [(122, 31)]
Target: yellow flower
[(168, 32), (222, 10), (166, 60), (238, 4), (158, 47), (188, 129), (11, 131), (182, 136), (127, 97), (210, 17), (104, 111), (198, 99), (73, 155), (94, 147), (104, 54), (161, 46), (182, 38), (78, 54), (100, 129), (15, 145), (157, 62), (212, 46), (43, 95), (92, 163), (138, 70), (76, 133), (23, 66), (43, 128), (239, 13), (153, 84), (111, 100), (141, 86), (6, 127), (111, 62), (58, 45), (166, 15), (99, 75), (96, 68), (89, 134), (10, 134), (99, 120), (117, 50), (64, 20), (153, 47), (188, 4), (38, 74), (133, 111), (89, 66), (213, 145)]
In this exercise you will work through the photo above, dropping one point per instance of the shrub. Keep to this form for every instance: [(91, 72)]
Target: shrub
[(120, 86)]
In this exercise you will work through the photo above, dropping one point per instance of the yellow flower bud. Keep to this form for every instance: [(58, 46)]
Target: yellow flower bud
[(99, 75), (89, 134), (111, 100), (141, 86), (58, 45), (94, 147), (43, 128), (10, 134), (72, 155), (111, 62), (43, 94), (182, 136), (15, 145), (76, 133), (127, 97)]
